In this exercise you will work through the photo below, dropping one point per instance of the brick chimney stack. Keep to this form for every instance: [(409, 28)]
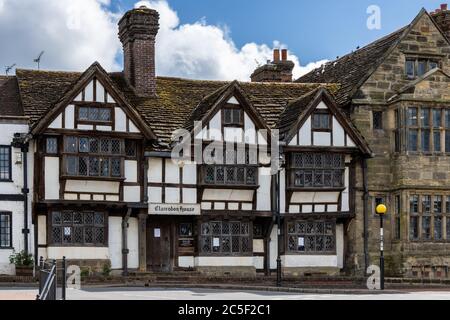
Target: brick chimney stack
[(137, 32), (279, 70), (442, 18)]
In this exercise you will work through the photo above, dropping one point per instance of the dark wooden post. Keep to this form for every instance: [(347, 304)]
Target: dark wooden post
[(64, 278), (142, 235)]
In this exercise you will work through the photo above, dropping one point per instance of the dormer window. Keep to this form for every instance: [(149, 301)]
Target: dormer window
[(416, 67), (321, 121), (233, 117), (94, 114)]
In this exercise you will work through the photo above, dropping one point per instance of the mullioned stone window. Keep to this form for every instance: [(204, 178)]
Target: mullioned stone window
[(428, 219)]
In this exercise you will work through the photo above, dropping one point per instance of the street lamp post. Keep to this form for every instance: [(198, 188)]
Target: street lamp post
[(381, 211)]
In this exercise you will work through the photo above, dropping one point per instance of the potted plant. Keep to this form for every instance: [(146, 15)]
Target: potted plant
[(24, 263)]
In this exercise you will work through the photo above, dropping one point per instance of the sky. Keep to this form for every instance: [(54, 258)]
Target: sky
[(200, 39)]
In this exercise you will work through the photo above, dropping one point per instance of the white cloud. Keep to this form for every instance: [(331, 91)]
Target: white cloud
[(76, 33), (73, 34)]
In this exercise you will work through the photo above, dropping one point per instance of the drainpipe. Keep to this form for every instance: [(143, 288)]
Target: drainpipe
[(365, 212), (25, 192), (125, 249)]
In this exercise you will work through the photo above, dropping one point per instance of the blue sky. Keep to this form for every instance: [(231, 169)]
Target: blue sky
[(313, 30)]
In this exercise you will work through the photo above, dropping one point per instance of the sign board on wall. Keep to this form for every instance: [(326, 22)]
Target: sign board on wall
[(174, 209)]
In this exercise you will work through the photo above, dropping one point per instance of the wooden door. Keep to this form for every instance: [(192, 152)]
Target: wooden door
[(159, 247)]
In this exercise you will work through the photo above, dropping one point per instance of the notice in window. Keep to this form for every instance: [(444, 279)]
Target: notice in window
[(301, 241), (157, 233), (216, 242)]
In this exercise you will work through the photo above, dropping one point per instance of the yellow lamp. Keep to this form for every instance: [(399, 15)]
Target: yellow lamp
[(381, 209)]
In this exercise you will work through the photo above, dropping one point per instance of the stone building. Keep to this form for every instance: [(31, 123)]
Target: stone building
[(396, 92)]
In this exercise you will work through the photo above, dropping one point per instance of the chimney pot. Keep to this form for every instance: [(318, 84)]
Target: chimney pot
[(276, 55), (284, 53), (444, 7)]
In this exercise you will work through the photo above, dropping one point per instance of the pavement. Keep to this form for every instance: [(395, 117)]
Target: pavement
[(142, 293)]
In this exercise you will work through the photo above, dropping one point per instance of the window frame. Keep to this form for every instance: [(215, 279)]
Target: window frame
[(94, 105), (416, 60), (233, 123), (443, 215), (9, 168), (202, 236), (319, 112), (377, 120), (293, 170), (87, 155), (9, 215), (296, 234), (62, 225)]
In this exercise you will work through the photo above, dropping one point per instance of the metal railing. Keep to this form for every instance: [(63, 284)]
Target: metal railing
[(48, 280)]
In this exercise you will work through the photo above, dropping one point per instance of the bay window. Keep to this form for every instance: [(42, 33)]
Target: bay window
[(93, 157)]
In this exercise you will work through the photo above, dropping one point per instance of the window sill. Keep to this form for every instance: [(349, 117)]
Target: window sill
[(310, 253), (229, 186), (68, 177), (76, 246), (6, 248), (315, 189), (7, 180)]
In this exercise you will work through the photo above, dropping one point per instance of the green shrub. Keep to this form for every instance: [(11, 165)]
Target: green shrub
[(106, 269), (21, 259)]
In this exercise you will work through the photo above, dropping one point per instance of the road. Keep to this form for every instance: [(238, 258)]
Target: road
[(211, 294)]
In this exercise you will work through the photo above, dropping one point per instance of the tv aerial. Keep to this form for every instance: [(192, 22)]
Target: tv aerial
[(9, 68), (38, 59)]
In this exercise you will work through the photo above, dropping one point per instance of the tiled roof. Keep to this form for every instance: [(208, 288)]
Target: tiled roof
[(9, 97), (351, 70), (177, 101)]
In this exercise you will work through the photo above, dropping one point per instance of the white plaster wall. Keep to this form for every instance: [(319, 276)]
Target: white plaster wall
[(294, 141), (322, 105), (92, 186), (338, 134), (224, 261), (190, 173), (104, 128), (350, 142), (115, 241), (100, 94), (57, 123), (305, 133), (85, 127), (215, 127), (189, 195), (282, 191), (69, 122), (227, 195), (340, 245), (186, 262), (258, 262), (233, 134), (315, 197), (89, 92), (132, 193), (51, 178), (17, 237), (172, 172), (133, 243), (172, 195), (263, 193), (133, 128), (345, 205), (154, 194), (322, 139), (42, 230), (249, 128), (155, 170), (258, 245), (120, 120), (86, 253), (131, 171)]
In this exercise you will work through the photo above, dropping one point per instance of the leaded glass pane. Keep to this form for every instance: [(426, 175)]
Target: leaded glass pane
[(56, 234), (104, 114), (82, 166), (115, 167)]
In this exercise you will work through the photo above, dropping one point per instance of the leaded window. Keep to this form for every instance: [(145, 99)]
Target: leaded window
[(5, 163), (232, 116), (51, 145), (428, 217), (311, 237), (377, 120), (315, 170), (321, 121), (416, 67), (225, 238), (78, 228), (5, 230), (93, 157), (94, 114), (425, 128)]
